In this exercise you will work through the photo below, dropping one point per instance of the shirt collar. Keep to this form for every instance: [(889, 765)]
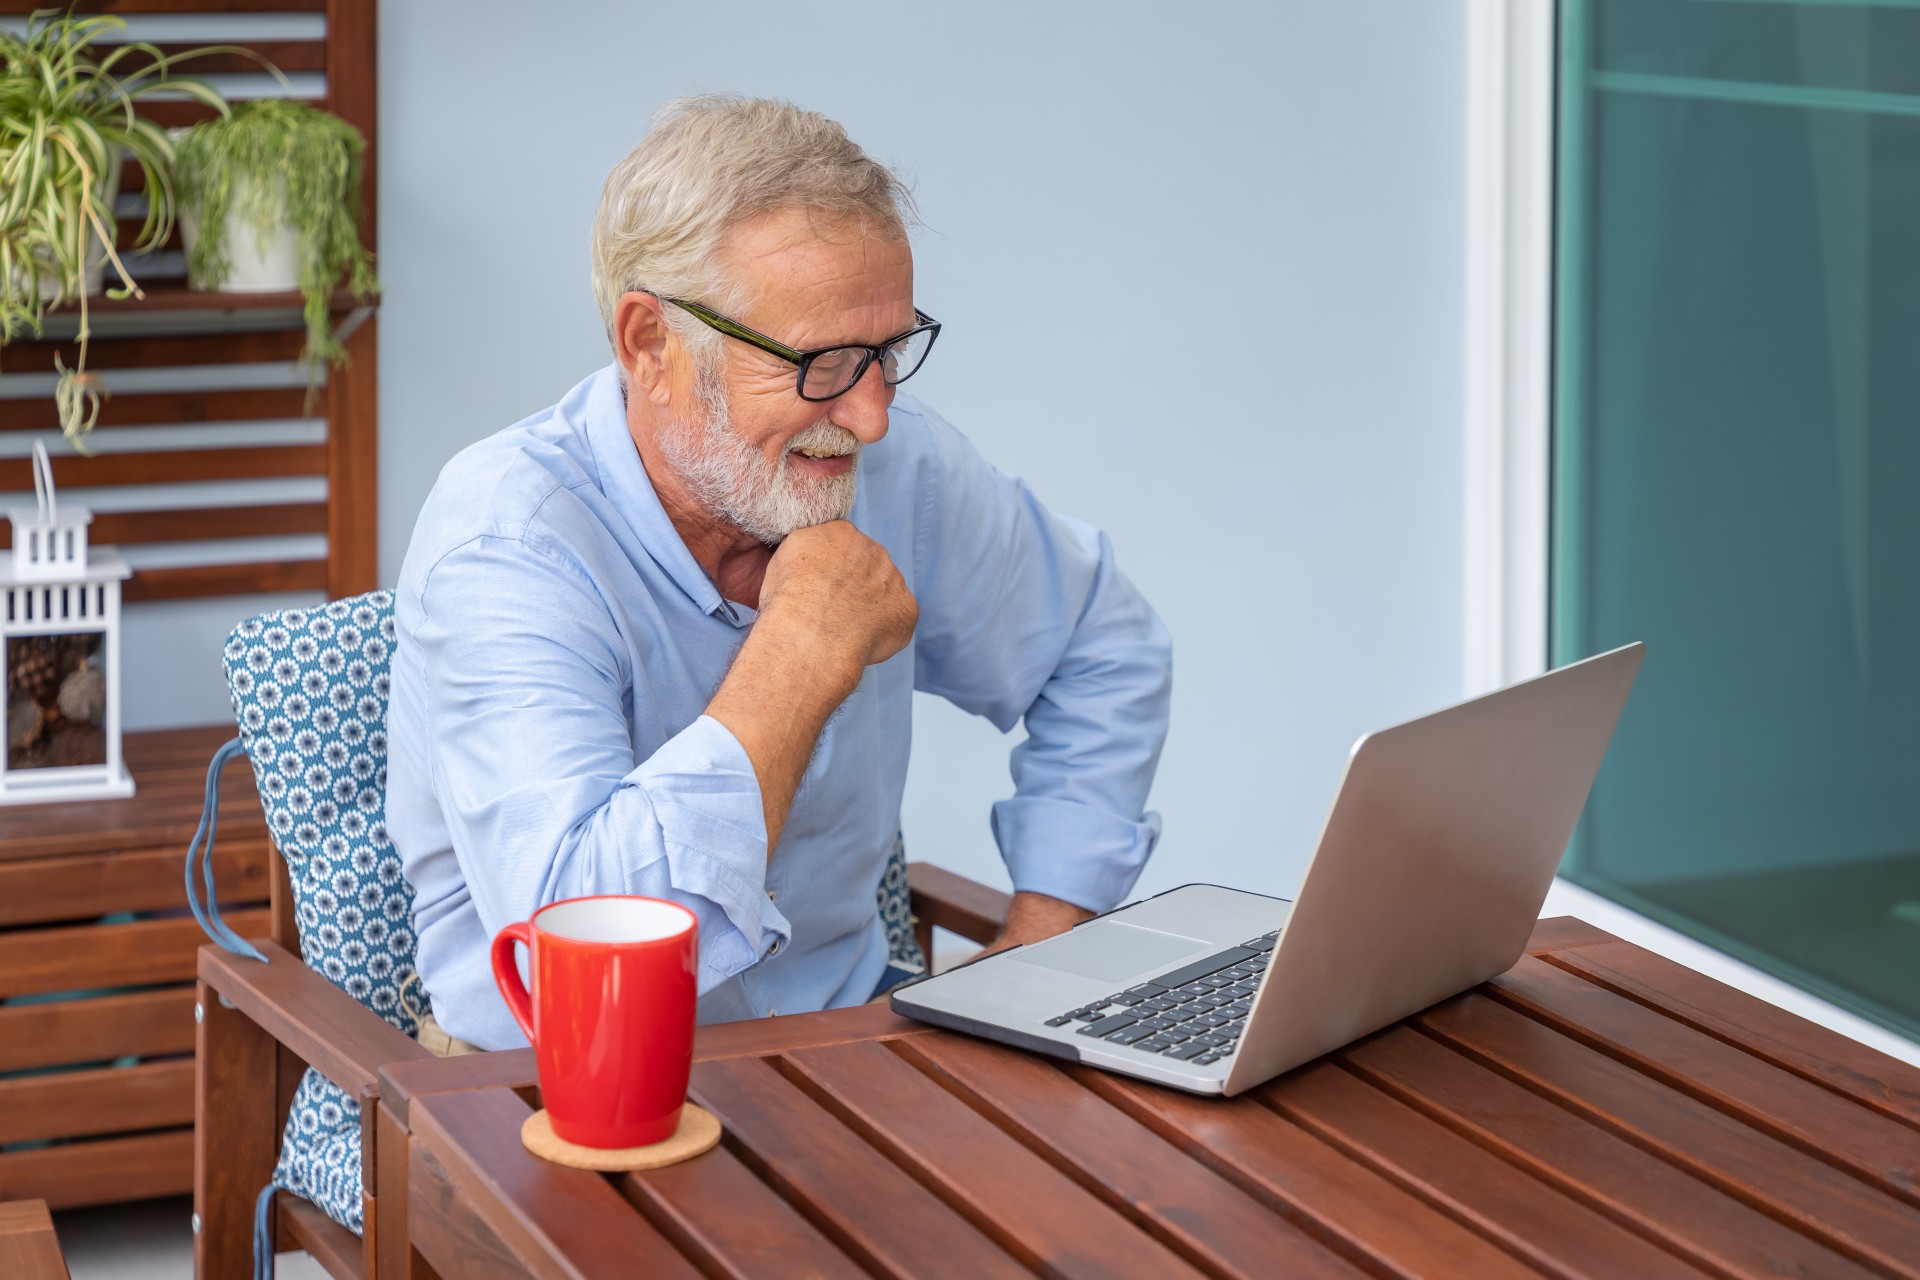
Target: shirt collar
[(623, 478)]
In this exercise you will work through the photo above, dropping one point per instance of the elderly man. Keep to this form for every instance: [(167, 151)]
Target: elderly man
[(663, 637)]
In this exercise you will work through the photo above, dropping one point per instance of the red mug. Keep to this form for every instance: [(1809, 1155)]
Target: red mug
[(610, 1016)]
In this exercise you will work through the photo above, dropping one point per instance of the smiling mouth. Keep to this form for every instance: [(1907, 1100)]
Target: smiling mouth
[(816, 463)]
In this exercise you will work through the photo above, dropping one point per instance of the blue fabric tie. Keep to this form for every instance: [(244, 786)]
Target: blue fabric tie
[(263, 1234), (201, 847)]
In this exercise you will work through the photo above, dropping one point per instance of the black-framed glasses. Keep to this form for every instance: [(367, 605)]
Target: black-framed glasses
[(826, 372)]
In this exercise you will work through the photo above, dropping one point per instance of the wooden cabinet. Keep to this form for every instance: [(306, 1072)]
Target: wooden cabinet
[(97, 947), (97, 955)]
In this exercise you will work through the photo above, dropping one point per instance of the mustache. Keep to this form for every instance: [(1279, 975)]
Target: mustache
[(827, 438)]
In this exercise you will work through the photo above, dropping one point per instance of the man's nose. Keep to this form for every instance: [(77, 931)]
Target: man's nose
[(862, 408)]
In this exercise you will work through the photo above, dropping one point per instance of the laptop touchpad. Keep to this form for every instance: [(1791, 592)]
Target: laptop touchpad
[(1111, 951)]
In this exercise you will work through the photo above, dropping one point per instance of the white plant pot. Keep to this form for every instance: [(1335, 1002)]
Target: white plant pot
[(96, 264), (255, 263)]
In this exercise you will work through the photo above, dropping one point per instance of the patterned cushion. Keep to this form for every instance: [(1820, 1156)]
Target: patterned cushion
[(310, 691), (896, 913)]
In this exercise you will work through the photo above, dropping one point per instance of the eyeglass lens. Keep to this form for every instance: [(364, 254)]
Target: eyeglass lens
[(831, 372)]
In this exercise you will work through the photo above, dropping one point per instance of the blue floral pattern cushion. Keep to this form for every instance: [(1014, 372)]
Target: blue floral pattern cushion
[(310, 690), (896, 913)]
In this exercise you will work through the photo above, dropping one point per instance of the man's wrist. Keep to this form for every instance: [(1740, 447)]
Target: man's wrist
[(1035, 917), (810, 653)]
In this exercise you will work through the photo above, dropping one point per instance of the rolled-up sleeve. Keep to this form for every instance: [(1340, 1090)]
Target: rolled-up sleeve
[(527, 682), (1025, 616)]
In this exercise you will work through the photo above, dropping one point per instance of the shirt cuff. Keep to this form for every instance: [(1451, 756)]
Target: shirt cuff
[(707, 799), (1072, 852)]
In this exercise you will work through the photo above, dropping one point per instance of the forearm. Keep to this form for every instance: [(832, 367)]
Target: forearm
[(776, 699), (539, 811)]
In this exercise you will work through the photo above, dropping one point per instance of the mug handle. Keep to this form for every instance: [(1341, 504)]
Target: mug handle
[(507, 974)]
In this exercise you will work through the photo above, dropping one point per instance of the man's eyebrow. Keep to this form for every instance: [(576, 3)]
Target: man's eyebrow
[(808, 343)]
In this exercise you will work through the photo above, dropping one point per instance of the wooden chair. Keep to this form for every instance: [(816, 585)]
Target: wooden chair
[(261, 1026)]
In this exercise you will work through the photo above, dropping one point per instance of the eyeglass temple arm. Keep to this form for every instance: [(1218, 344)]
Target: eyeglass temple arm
[(734, 329)]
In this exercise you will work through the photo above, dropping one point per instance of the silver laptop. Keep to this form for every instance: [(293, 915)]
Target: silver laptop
[(1443, 840)]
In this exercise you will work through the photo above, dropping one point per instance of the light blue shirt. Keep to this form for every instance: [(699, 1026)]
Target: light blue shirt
[(558, 645)]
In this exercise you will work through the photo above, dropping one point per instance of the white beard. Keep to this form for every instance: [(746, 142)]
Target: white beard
[(732, 479)]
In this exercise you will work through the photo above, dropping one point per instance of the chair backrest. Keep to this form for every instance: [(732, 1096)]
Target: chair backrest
[(310, 690)]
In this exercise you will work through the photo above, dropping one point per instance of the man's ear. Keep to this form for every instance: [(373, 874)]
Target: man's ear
[(641, 341)]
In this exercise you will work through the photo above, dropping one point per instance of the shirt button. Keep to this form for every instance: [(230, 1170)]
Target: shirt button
[(772, 896), (773, 1013), (774, 950)]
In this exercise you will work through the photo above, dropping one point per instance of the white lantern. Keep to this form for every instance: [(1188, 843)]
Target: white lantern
[(60, 636)]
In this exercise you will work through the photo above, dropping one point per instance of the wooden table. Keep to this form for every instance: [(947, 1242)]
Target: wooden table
[(29, 1249), (1597, 1111)]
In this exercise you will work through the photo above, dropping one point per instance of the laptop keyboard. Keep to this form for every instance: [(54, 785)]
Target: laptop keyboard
[(1192, 1013)]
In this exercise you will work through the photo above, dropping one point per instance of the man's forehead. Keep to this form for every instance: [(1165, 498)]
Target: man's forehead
[(827, 274)]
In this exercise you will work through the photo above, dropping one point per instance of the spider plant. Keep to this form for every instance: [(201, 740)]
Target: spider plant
[(276, 162), (66, 120)]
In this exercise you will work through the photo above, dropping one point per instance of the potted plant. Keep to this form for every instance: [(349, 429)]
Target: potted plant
[(270, 200), (66, 123)]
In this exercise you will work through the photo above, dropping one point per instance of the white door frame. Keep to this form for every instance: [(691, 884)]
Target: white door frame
[(1509, 220)]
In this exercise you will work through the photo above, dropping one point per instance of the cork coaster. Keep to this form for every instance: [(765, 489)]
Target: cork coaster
[(698, 1134)]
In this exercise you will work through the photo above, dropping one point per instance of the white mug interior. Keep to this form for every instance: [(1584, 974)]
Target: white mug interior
[(614, 919)]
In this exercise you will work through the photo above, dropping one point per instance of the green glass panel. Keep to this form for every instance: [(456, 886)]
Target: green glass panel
[(1737, 472)]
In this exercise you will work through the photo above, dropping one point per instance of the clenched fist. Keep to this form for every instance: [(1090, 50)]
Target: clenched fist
[(841, 589)]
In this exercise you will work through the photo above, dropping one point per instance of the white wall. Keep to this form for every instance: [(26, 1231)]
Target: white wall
[(1202, 283), (1201, 276)]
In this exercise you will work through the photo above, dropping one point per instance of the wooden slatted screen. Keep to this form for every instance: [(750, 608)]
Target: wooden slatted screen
[(210, 335)]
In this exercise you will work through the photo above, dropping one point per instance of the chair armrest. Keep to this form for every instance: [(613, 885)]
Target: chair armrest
[(952, 902), (329, 1030)]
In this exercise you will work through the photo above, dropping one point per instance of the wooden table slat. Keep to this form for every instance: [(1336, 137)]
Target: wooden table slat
[(101, 1170), (1558, 1234), (1352, 1208), (57, 1033), (90, 885), (730, 1223), (442, 1223), (1027, 1206), (67, 1104), (80, 957), (1208, 1219), (29, 1248), (1739, 1159), (581, 1221), (1807, 1049), (1615, 1177), (1565, 933), (1755, 1091), (891, 1224)]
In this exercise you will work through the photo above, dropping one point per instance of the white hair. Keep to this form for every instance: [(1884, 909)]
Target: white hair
[(709, 164)]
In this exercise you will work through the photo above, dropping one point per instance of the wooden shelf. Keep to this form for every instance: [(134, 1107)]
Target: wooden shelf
[(173, 295)]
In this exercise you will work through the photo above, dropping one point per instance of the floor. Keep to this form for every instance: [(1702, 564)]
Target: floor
[(153, 1240), (150, 1240)]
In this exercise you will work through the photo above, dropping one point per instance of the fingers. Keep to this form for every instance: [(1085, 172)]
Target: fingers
[(835, 578)]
